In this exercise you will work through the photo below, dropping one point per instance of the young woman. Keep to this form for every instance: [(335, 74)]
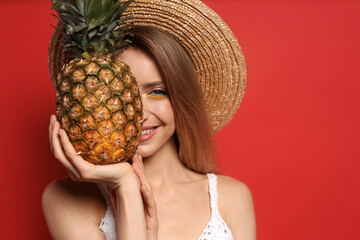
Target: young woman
[(169, 191)]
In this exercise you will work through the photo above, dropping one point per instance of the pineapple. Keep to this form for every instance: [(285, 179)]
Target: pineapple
[(97, 98)]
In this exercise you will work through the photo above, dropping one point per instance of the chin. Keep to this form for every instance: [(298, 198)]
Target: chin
[(144, 151), (148, 149)]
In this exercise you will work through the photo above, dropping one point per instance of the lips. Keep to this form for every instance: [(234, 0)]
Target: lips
[(147, 133)]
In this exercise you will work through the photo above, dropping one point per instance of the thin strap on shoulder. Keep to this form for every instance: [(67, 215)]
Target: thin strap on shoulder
[(216, 228), (107, 224), (213, 194)]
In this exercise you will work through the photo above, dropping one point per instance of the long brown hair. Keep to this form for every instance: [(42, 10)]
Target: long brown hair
[(194, 134)]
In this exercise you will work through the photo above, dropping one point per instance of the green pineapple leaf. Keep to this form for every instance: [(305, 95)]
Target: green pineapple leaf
[(80, 6), (92, 33), (93, 26), (110, 14), (62, 3), (94, 10), (105, 7), (79, 28)]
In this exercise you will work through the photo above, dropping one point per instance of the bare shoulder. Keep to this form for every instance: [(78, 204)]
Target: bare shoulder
[(231, 189), (237, 207), (73, 209)]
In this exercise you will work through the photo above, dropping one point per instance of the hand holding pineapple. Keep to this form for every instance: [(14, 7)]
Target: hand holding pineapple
[(80, 170), (119, 176)]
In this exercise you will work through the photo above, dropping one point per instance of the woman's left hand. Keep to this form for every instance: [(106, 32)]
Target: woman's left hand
[(113, 175), (152, 222)]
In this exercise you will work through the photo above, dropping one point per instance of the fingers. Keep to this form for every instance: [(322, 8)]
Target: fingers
[(85, 171), (152, 222), (145, 187), (139, 170), (55, 142), (72, 177), (149, 201), (69, 158), (57, 147), (78, 168), (52, 118), (140, 161), (68, 147)]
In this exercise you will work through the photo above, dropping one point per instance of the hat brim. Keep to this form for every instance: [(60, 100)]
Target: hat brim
[(213, 48)]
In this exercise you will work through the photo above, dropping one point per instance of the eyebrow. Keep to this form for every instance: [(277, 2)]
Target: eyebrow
[(152, 84)]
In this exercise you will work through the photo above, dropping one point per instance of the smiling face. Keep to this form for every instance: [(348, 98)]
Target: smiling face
[(158, 125)]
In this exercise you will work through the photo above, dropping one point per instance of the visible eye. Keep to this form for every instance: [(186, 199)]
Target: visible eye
[(157, 94)]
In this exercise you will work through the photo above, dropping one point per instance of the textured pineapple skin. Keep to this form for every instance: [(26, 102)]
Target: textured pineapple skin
[(98, 104)]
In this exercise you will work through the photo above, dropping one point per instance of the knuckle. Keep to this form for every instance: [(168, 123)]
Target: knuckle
[(71, 155), (74, 157), (57, 155)]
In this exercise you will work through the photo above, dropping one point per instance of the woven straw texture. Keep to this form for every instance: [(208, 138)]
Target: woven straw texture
[(217, 56)]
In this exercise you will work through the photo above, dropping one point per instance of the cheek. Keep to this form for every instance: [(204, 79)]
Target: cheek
[(166, 113), (161, 109)]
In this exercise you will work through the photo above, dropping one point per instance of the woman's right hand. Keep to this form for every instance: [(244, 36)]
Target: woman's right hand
[(113, 175), (151, 219)]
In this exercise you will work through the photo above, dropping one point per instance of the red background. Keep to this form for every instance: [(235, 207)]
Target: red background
[(294, 140)]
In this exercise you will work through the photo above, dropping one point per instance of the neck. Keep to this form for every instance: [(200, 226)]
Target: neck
[(165, 167)]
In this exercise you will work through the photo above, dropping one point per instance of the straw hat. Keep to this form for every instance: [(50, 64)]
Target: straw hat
[(217, 56)]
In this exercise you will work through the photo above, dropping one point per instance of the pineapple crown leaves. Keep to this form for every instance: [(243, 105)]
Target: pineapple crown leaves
[(92, 27)]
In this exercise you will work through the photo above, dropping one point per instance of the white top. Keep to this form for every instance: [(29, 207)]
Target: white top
[(216, 228)]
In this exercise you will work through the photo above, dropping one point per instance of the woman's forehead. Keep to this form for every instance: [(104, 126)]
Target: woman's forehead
[(142, 66)]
